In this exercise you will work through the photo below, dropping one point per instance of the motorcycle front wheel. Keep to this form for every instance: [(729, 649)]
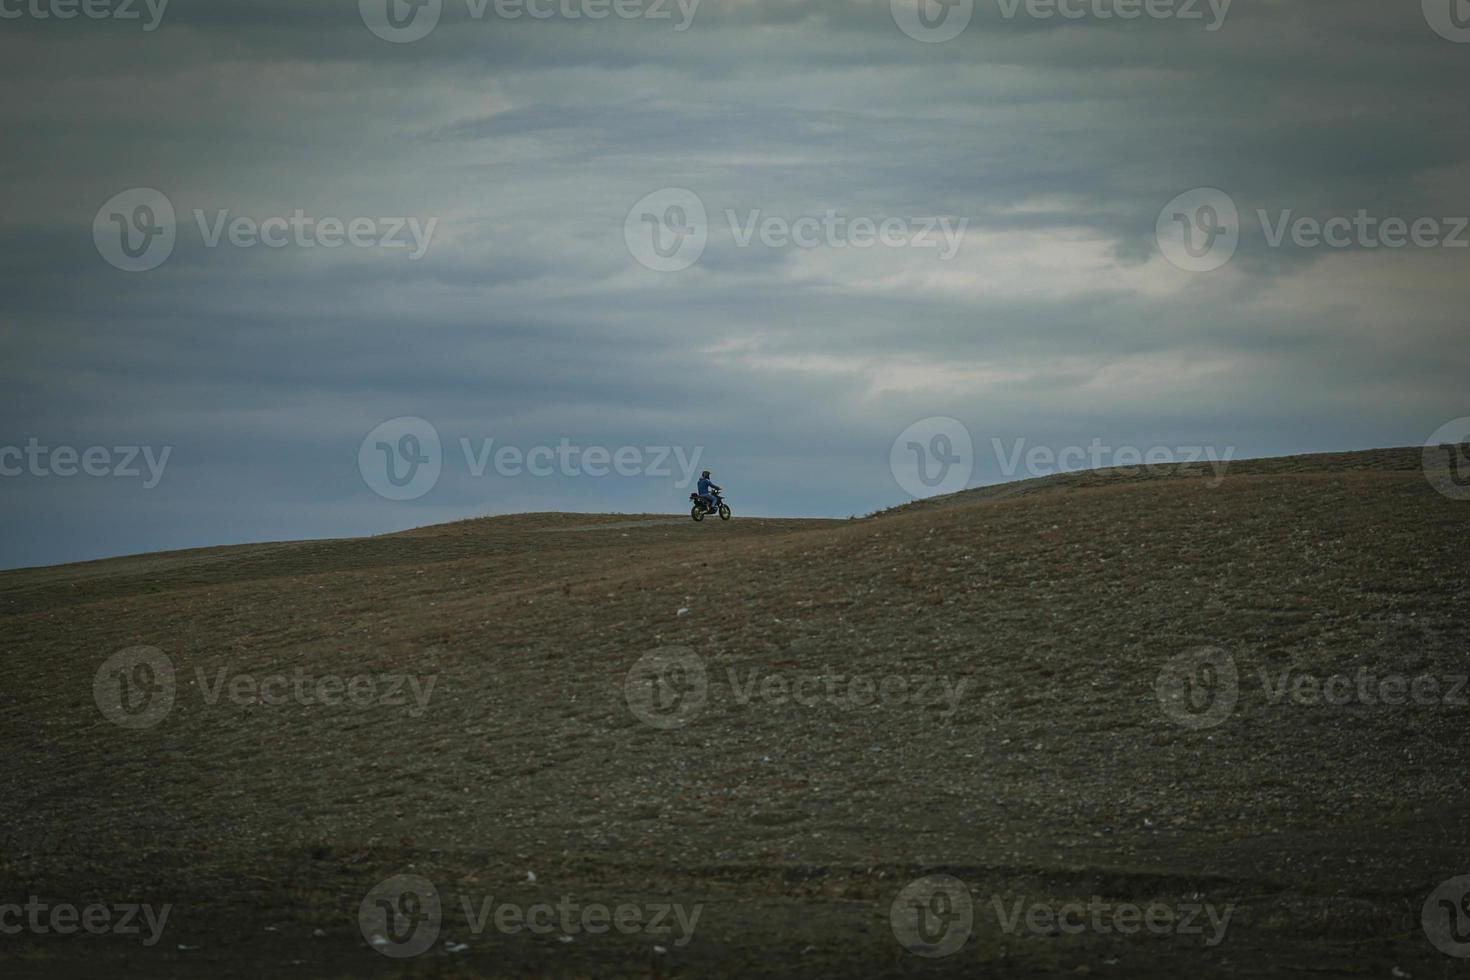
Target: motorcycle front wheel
[(724, 512)]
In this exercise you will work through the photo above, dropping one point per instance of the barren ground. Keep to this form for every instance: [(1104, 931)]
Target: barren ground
[(1056, 775)]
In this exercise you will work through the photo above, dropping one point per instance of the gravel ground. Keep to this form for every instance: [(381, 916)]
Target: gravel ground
[(1146, 724)]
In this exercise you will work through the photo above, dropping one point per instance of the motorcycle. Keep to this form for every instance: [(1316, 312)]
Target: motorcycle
[(700, 509)]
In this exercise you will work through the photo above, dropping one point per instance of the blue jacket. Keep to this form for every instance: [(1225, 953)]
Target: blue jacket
[(705, 485)]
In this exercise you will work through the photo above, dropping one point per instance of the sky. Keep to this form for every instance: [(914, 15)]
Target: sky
[(280, 269)]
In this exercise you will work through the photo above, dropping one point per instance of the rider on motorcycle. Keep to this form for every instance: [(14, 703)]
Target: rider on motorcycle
[(704, 488)]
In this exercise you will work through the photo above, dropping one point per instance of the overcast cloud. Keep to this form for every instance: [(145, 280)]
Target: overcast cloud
[(516, 149)]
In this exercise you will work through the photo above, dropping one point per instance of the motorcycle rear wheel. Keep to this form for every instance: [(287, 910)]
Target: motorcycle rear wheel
[(697, 512)]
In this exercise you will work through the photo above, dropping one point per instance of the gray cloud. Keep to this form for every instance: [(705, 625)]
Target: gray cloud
[(528, 320)]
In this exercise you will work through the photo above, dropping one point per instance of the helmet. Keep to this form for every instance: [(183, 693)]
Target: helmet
[(705, 474)]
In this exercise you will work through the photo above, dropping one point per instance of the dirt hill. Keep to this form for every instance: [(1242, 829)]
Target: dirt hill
[(1145, 690)]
